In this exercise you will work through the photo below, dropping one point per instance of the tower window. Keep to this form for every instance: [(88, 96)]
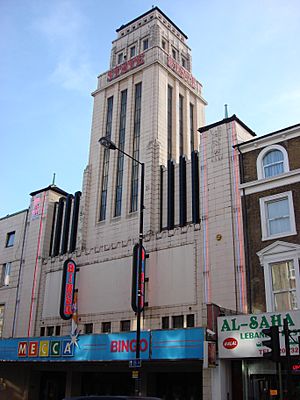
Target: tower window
[(192, 126), (136, 147), (120, 58), (170, 116), (103, 197), (163, 44), (180, 125), (145, 44), (120, 160), (132, 51)]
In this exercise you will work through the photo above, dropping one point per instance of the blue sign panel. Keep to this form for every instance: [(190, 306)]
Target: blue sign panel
[(174, 344), (177, 344)]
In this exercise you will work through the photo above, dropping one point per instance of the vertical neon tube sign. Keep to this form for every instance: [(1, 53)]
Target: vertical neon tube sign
[(67, 289), (138, 284)]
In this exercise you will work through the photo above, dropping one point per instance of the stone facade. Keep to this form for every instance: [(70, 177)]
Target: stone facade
[(190, 265)]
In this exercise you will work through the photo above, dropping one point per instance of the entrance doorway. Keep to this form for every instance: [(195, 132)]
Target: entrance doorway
[(117, 383), (52, 385), (179, 386), (261, 386)]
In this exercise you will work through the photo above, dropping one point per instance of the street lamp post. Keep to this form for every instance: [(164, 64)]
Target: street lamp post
[(108, 144)]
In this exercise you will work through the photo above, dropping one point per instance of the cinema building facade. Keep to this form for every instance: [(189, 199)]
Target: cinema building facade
[(150, 105)]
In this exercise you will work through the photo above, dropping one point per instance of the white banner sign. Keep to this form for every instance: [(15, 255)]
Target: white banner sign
[(240, 336)]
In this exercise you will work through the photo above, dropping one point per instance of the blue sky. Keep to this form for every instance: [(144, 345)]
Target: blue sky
[(245, 53)]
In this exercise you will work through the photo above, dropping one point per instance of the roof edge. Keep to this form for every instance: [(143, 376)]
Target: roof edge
[(226, 121), (148, 12), (268, 134), (50, 187), (13, 214)]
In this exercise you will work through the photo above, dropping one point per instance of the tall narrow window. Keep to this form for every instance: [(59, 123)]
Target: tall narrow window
[(2, 307), (170, 102), (120, 162), (145, 44), (5, 274), (192, 126), (180, 125), (132, 51), (106, 153), (120, 58), (136, 147)]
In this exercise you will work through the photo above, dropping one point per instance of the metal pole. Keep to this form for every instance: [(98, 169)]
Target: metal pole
[(107, 143), (288, 356), (138, 314), (279, 373)]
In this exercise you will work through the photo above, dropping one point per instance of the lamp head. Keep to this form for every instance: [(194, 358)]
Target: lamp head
[(107, 143)]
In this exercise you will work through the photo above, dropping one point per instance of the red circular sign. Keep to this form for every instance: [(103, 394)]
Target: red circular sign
[(230, 343)]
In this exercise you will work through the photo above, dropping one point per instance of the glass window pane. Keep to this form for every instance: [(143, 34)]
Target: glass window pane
[(278, 208), (1, 318), (278, 215), (272, 157), (285, 301), (283, 276), (177, 321), (10, 239), (273, 163)]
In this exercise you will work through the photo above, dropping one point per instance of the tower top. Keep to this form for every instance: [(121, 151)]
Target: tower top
[(143, 16)]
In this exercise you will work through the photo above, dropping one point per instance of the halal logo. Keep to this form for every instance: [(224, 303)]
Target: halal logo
[(230, 343)]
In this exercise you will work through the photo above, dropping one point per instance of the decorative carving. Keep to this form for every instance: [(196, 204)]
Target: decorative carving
[(216, 148)]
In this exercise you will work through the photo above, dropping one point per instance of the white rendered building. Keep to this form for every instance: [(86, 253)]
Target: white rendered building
[(151, 106)]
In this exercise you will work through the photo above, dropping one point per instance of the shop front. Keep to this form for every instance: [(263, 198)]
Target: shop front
[(49, 368), (240, 344)]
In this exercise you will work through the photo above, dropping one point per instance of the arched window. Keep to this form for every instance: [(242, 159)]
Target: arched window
[(272, 161)]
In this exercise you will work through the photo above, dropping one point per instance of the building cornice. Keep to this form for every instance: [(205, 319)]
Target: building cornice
[(269, 139), (262, 185)]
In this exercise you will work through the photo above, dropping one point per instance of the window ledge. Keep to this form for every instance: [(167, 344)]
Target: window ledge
[(280, 235)]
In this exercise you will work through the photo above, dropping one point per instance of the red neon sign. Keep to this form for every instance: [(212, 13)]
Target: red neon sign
[(67, 289), (182, 72), (125, 67)]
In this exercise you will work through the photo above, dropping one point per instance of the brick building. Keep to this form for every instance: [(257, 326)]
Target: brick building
[(270, 184)]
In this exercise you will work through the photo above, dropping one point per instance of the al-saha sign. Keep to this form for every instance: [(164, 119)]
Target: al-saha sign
[(240, 336)]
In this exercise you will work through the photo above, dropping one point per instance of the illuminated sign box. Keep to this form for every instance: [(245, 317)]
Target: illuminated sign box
[(155, 345), (240, 336)]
